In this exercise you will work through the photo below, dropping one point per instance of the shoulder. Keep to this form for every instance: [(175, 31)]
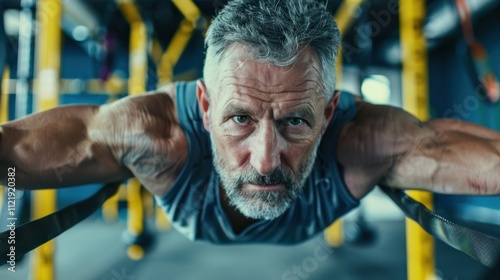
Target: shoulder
[(369, 145), (147, 137), (151, 110)]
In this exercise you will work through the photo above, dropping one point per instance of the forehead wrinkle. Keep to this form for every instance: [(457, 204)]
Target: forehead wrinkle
[(307, 64), (320, 83), (243, 76), (240, 93), (306, 82), (238, 102), (247, 89)]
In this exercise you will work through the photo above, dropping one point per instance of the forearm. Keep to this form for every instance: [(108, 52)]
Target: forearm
[(453, 161), (53, 149)]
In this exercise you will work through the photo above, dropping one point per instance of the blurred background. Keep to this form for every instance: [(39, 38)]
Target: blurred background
[(437, 59)]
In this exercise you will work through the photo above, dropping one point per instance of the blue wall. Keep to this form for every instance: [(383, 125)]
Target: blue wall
[(453, 94)]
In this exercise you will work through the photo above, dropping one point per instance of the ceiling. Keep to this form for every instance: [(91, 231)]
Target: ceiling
[(162, 18)]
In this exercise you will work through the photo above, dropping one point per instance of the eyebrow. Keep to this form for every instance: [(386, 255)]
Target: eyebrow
[(304, 112), (237, 110)]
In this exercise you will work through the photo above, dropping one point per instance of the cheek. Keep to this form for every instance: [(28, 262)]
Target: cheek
[(295, 155), (233, 152)]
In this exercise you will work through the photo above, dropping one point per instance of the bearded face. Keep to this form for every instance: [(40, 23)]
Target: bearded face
[(265, 123), (266, 203)]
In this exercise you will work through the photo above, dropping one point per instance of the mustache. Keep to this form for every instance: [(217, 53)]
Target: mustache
[(278, 176)]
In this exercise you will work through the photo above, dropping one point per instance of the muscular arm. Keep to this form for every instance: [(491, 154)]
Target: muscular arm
[(85, 144), (452, 157), (387, 145)]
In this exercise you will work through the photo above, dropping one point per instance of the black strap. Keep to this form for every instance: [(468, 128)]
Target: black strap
[(481, 247), (35, 233)]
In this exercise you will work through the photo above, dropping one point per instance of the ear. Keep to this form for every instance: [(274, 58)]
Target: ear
[(204, 103), (330, 109)]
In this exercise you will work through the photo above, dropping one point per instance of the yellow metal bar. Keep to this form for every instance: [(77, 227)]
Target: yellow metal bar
[(340, 68), (413, 46), (135, 218), (4, 113), (148, 202), (156, 51), (420, 245), (113, 86), (334, 234), (161, 221), (135, 209), (48, 59), (110, 208), (138, 58), (174, 51), (179, 41), (346, 14), (137, 86), (188, 9), (129, 10), (48, 53), (4, 101)]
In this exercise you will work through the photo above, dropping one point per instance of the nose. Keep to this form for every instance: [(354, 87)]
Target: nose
[(265, 153)]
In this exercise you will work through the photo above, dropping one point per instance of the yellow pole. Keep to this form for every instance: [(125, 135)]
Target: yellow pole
[(346, 14), (174, 51), (419, 244), (137, 86), (334, 234), (48, 46), (129, 11), (4, 102), (110, 207), (135, 217), (4, 112), (179, 41), (138, 58), (188, 9)]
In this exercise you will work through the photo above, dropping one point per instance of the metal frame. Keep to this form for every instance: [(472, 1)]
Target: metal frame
[(345, 17), (419, 244), (48, 60)]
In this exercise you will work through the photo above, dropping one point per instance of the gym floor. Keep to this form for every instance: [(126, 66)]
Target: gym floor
[(94, 250)]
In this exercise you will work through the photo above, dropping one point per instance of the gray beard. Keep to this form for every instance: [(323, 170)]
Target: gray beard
[(262, 204)]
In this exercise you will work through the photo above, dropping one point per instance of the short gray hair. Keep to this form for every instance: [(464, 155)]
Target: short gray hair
[(275, 31)]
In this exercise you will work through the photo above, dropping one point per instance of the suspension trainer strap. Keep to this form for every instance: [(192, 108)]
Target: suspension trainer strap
[(35, 233), (481, 247), (479, 63)]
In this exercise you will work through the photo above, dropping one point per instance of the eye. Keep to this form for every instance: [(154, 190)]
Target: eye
[(294, 121), (241, 119)]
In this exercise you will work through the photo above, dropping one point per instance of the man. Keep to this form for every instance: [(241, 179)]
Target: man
[(263, 149)]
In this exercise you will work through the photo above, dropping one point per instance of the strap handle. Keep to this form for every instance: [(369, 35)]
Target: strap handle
[(35, 233), (481, 247)]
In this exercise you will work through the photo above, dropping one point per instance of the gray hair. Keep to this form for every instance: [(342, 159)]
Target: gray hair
[(276, 31)]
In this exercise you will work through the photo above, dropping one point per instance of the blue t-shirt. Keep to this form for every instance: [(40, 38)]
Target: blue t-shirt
[(193, 205)]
